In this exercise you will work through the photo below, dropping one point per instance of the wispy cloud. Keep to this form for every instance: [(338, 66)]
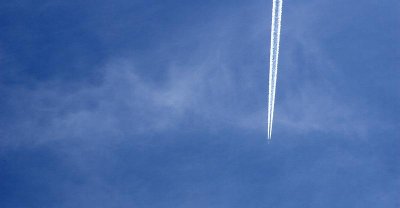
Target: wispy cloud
[(217, 84), (209, 87)]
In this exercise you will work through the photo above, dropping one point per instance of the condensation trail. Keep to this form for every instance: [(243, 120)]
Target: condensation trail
[(274, 55)]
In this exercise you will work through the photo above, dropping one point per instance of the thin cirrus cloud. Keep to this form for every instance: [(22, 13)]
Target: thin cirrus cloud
[(210, 87)]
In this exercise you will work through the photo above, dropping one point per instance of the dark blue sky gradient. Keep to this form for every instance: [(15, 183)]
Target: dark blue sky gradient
[(152, 103)]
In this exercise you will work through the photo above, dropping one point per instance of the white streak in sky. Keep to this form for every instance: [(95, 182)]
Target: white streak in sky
[(274, 55)]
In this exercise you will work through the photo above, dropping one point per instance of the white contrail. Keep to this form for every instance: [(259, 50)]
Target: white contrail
[(274, 55)]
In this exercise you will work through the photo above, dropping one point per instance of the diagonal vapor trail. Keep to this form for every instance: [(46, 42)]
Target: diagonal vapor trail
[(274, 55)]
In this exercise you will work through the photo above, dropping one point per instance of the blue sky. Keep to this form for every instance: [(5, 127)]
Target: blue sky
[(164, 104)]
